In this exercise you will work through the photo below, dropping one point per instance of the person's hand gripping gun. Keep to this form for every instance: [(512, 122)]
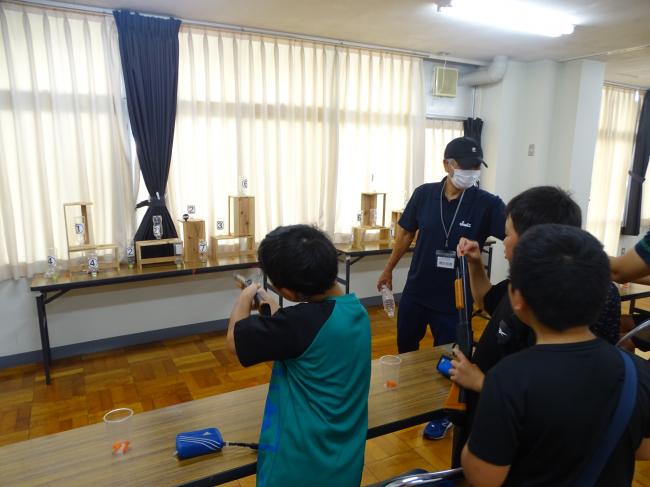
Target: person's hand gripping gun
[(259, 298)]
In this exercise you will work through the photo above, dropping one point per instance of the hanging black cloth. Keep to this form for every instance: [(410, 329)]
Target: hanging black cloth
[(632, 222), (149, 53), (472, 127)]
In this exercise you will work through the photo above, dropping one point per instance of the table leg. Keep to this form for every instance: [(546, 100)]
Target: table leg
[(489, 265), (45, 338), (459, 437), (347, 274)]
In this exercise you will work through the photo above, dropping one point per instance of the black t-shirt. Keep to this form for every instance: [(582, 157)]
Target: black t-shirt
[(505, 334), (545, 410), (283, 336)]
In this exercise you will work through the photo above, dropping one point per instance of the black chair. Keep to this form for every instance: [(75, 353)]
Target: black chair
[(421, 477)]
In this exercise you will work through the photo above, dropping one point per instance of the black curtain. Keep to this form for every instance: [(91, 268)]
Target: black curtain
[(632, 222), (149, 52), (473, 127)]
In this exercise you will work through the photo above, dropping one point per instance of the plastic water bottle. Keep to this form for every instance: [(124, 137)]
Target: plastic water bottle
[(93, 264), (624, 285), (178, 255), (203, 251), (130, 254), (388, 300), (51, 263)]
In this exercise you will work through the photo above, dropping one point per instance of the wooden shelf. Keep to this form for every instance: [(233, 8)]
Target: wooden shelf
[(359, 236), (216, 253)]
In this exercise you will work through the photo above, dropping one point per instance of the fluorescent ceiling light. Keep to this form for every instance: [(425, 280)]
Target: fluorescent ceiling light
[(511, 15)]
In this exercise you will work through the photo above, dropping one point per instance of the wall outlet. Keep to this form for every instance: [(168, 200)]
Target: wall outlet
[(531, 149)]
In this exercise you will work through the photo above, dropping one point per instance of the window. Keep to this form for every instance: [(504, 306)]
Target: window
[(62, 133), (310, 125), (619, 112), (438, 133)]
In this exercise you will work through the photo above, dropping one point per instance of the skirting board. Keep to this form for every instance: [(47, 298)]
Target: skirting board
[(103, 344)]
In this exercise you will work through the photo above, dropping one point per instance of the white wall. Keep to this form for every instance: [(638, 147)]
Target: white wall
[(577, 110), (112, 311), (554, 106)]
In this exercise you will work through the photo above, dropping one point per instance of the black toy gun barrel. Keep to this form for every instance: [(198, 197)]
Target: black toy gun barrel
[(464, 336)]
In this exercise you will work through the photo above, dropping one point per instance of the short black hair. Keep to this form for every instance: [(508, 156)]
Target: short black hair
[(543, 204), (300, 258), (563, 274)]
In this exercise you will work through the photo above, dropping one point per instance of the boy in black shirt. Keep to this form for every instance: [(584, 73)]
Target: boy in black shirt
[(544, 411), (504, 333), (316, 414)]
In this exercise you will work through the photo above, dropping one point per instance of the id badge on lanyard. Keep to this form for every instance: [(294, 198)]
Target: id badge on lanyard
[(445, 259)]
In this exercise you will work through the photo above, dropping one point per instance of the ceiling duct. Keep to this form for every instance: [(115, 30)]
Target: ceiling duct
[(486, 76)]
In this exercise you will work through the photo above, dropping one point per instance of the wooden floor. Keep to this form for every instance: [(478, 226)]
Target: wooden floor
[(160, 374)]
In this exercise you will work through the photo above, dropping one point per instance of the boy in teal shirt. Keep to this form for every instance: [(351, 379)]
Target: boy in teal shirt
[(316, 415)]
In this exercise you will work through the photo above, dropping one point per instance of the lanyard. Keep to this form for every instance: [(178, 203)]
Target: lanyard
[(451, 224)]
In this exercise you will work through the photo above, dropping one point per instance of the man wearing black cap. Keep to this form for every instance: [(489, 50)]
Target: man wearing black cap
[(442, 213)]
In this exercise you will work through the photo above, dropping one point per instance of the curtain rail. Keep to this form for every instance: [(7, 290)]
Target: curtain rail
[(251, 30), (625, 85)]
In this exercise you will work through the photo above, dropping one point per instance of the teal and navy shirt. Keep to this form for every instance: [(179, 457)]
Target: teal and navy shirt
[(643, 248), (316, 415)]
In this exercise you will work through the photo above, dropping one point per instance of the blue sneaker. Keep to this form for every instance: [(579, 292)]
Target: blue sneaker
[(436, 430)]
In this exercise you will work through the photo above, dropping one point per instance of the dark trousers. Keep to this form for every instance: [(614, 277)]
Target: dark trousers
[(412, 321)]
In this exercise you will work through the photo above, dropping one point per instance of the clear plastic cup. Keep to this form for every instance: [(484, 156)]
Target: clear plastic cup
[(118, 429), (390, 365)]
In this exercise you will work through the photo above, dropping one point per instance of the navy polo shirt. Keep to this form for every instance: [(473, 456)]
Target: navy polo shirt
[(481, 214)]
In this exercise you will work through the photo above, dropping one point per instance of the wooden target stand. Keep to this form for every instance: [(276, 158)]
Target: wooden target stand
[(240, 239), (369, 221), (78, 221)]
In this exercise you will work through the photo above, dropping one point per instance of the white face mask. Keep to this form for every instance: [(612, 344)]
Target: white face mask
[(465, 178)]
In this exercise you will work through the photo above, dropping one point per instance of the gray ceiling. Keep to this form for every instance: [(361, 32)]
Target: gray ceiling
[(603, 26)]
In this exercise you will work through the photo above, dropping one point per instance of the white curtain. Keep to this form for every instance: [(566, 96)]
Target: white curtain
[(619, 113), (62, 133), (306, 123), (380, 131), (438, 133)]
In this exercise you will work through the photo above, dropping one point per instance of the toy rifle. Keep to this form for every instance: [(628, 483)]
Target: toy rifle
[(464, 337), (456, 403)]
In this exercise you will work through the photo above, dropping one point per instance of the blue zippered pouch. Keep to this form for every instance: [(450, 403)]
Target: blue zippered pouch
[(196, 443)]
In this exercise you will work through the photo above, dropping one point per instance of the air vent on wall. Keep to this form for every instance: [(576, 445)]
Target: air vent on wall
[(445, 81)]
